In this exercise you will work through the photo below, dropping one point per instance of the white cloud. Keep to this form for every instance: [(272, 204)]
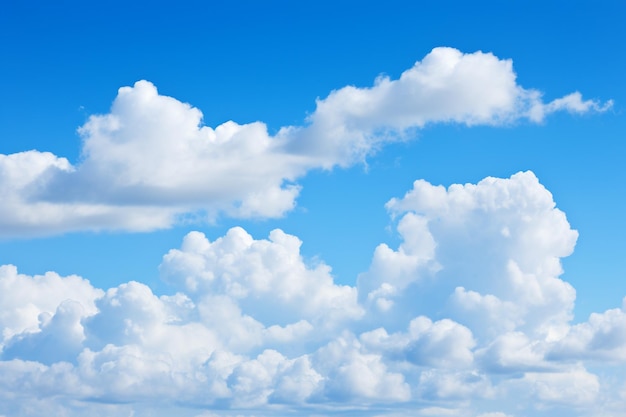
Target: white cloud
[(469, 309), (436, 384), (392, 271), (572, 388), (29, 302), (354, 375), (442, 344), (128, 373), (513, 352), (132, 315), (297, 382), (150, 162), (60, 337), (487, 254), (273, 378), (572, 103), (258, 273), (478, 309), (601, 337)]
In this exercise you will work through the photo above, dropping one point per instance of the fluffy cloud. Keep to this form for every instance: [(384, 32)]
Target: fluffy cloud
[(602, 337), (357, 375), (271, 377), (442, 344), (258, 273), (150, 162), (60, 337), (513, 352), (29, 302), (452, 386), (575, 387), (486, 254), (469, 309)]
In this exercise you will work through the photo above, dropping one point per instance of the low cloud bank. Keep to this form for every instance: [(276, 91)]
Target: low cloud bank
[(467, 314)]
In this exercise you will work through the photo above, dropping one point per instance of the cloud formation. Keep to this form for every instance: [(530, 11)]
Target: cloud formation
[(150, 162), (466, 313)]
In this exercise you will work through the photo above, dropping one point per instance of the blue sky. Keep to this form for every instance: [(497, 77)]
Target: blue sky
[(419, 300)]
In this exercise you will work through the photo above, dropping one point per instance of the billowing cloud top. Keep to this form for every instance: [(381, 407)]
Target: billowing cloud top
[(151, 161), (468, 310)]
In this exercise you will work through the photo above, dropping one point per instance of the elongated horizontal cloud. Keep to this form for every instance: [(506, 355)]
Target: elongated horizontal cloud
[(467, 316), (150, 162)]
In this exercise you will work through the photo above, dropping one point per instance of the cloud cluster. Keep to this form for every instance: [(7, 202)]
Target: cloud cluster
[(150, 162), (467, 313)]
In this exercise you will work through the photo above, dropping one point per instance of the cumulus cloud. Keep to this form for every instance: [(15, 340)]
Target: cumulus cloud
[(492, 250), (469, 309), (258, 273), (601, 337), (60, 337), (28, 302), (575, 387), (357, 375), (150, 162), (452, 386), (442, 344), (513, 352)]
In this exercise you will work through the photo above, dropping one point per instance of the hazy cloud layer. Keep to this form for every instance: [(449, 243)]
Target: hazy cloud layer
[(150, 162), (467, 316)]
